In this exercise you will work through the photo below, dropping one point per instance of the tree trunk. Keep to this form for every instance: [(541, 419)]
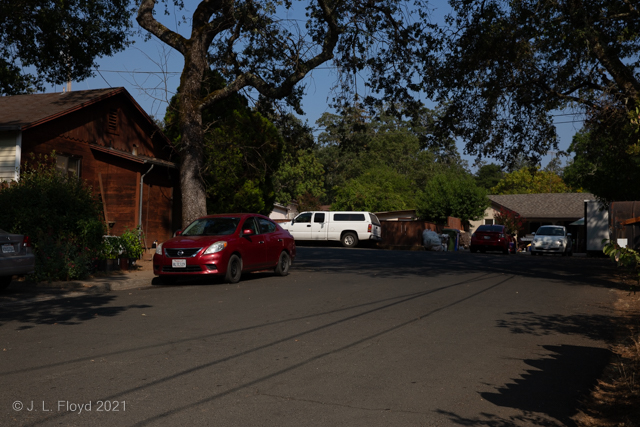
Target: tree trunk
[(194, 195)]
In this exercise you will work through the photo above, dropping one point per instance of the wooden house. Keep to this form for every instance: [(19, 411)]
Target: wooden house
[(104, 137)]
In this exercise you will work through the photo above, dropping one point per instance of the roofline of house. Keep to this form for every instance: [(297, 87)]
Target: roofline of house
[(110, 94)]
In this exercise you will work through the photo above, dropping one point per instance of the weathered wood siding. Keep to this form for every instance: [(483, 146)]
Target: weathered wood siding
[(118, 125)]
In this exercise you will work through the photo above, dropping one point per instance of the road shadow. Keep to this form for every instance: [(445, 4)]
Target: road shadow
[(394, 264), (549, 391), (63, 311)]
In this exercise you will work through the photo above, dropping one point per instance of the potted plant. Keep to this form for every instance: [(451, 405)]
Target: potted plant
[(110, 249), (132, 248)]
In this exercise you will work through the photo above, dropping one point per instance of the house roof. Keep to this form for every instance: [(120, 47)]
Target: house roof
[(545, 205), (20, 112)]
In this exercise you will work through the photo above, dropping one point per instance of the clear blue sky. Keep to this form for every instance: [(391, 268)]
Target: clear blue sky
[(150, 71)]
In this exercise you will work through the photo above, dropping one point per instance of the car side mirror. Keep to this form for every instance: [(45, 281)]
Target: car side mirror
[(178, 233), (293, 221), (248, 232), (533, 234)]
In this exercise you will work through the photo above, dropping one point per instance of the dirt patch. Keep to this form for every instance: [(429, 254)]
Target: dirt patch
[(615, 401)]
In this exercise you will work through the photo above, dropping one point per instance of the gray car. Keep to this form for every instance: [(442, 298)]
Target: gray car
[(552, 239), (16, 257)]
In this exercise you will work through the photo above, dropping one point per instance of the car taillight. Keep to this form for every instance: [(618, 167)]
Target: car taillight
[(369, 228), (26, 242)]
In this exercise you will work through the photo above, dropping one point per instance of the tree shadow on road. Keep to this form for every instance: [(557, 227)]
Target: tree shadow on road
[(64, 311)]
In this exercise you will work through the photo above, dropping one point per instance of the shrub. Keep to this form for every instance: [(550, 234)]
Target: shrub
[(60, 215), (130, 242)]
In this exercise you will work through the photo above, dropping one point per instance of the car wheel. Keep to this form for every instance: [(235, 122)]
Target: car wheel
[(4, 282), (349, 240), (234, 269), (282, 269)]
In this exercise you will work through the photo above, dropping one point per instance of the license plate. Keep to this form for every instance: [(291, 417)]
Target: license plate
[(179, 263), (487, 237), (8, 249)]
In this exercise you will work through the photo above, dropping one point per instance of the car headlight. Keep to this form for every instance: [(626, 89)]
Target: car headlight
[(216, 247), (159, 249)]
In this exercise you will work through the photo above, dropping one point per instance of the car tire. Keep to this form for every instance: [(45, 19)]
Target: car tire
[(234, 269), (349, 240), (284, 262), (5, 281)]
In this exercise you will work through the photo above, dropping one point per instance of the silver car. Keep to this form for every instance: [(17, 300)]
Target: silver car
[(16, 257), (552, 239)]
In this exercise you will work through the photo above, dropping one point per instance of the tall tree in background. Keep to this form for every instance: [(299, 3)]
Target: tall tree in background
[(354, 144), (249, 44), (60, 40), (506, 66), (451, 194), (531, 181), (488, 176)]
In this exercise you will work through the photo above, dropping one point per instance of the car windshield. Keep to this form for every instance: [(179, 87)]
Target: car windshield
[(550, 231), (212, 227), (490, 228)]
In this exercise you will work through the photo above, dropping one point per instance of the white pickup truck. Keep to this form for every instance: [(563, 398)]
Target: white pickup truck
[(346, 227)]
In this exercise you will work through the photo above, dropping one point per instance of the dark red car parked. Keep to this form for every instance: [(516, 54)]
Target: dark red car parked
[(492, 238), (225, 245)]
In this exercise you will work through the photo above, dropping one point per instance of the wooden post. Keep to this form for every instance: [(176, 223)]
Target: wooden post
[(104, 203)]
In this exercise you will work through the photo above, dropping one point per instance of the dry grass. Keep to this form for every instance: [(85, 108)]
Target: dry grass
[(615, 401)]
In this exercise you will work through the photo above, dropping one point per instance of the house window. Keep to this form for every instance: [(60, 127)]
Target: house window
[(68, 165), (112, 122), (489, 222)]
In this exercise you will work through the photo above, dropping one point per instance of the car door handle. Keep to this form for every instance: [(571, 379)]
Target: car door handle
[(279, 240), (308, 225), (261, 242)]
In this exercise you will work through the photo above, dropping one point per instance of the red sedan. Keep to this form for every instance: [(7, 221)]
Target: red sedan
[(225, 245), (492, 238)]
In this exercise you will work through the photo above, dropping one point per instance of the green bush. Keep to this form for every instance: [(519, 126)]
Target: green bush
[(60, 215), (130, 242)]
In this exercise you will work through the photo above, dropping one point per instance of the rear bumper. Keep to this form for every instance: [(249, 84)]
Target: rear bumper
[(17, 265)]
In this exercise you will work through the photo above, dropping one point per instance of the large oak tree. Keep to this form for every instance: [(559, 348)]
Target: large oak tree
[(271, 46), (44, 41)]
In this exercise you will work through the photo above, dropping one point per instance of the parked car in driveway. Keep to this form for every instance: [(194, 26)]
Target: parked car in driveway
[(492, 238), (225, 245), (552, 239), (16, 257)]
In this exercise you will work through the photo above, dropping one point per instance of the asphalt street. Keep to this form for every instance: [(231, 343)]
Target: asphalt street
[(352, 337)]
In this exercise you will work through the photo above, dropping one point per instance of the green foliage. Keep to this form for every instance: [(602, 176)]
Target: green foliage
[(531, 181), (299, 175), (607, 159), (111, 248), (60, 215), (488, 176), (451, 194), (131, 243), (52, 39), (350, 150), (505, 67), (376, 190), (242, 149), (626, 258)]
